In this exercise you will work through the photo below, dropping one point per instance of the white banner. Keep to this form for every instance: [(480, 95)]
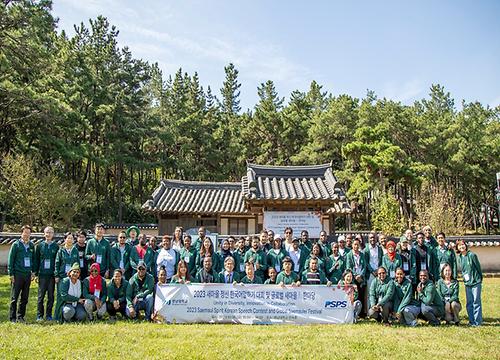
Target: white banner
[(252, 304), (277, 221)]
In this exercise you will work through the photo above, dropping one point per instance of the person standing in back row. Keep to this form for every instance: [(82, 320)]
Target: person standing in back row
[(473, 279), (99, 251)]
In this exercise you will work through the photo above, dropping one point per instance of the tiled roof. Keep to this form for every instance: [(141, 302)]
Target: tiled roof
[(197, 197), (294, 183)]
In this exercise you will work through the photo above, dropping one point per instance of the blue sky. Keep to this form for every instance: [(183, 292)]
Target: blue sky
[(396, 48)]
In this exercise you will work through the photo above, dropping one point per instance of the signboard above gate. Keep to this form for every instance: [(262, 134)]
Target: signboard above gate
[(277, 221)]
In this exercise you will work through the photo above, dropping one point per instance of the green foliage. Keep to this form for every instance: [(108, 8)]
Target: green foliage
[(386, 216)]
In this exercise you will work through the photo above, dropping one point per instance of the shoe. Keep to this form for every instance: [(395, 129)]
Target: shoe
[(39, 319), (49, 318), (112, 318), (21, 320)]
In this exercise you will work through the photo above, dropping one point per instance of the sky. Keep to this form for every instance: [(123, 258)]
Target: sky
[(396, 48)]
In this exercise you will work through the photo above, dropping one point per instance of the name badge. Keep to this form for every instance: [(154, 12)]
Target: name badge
[(466, 277), (81, 263), (46, 264), (98, 259), (242, 267), (423, 266), (27, 262), (392, 274), (97, 293), (186, 259), (406, 267), (67, 268), (278, 268)]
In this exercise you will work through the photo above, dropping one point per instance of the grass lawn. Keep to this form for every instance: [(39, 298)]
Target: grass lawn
[(366, 339)]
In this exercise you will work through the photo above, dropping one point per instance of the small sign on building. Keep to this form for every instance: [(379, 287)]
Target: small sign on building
[(277, 221)]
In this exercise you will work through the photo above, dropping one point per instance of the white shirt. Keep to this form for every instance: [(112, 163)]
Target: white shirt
[(373, 256), (166, 258), (295, 256), (75, 290), (357, 263), (177, 246)]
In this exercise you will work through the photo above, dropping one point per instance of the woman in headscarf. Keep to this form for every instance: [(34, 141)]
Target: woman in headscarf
[(391, 260), (94, 292)]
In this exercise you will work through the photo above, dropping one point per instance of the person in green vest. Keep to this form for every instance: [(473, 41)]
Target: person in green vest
[(142, 252), (287, 276), (20, 270), (473, 279), (347, 284), (381, 294), (94, 292), (206, 274), (71, 295), (182, 276), (432, 306), (43, 265), (207, 249), (120, 256), (447, 288), (355, 261), (335, 265), (391, 260), (429, 240), (316, 252), (99, 251), (140, 293), (256, 256), (188, 254), (228, 275), (132, 235), (250, 277), (275, 256), (406, 307), (323, 242), (313, 275), (117, 295), (444, 255), (65, 258), (271, 276)]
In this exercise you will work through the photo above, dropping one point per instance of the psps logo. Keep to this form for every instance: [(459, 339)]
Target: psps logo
[(335, 304)]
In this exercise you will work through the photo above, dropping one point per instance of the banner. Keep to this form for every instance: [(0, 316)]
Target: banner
[(277, 221), (252, 304)]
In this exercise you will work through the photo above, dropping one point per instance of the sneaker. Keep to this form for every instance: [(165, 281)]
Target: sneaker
[(21, 320), (39, 319), (49, 318)]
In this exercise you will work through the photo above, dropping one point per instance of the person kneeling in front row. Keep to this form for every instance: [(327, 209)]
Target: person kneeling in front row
[(406, 307), (117, 295), (140, 293), (70, 292), (432, 306), (94, 292), (381, 293)]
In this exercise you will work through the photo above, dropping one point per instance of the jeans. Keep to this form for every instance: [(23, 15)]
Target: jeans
[(431, 313), (122, 309), (381, 315), (74, 313), (451, 311), (410, 314), (145, 304), (20, 286), (474, 307), (357, 308), (46, 285), (90, 307)]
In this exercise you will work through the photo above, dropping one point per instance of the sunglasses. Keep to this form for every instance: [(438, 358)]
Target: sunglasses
[(122, 237), (141, 269), (288, 232)]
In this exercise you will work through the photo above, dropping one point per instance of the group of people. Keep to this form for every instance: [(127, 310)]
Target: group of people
[(385, 280)]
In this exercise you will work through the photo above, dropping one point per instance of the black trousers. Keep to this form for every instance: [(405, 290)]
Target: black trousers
[(21, 286), (46, 285), (112, 311)]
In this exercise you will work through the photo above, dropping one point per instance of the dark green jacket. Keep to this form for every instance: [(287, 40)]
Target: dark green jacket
[(189, 256), (64, 261), (135, 290), (327, 250), (445, 256), (17, 254), (411, 271), (256, 280), (403, 296), (350, 264), (322, 278), (257, 257), (116, 257), (366, 251), (148, 259), (86, 290), (100, 249), (471, 269), (429, 296), (335, 268), (431, 262), (287, 279), (448, 294), (122, 291), (216, 262), (43, 252), (302, 260), (63, 291), (176, 280), (275, 260), (321, 264), (222, 277), (198, 277), (391, 266), (381, 292)]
